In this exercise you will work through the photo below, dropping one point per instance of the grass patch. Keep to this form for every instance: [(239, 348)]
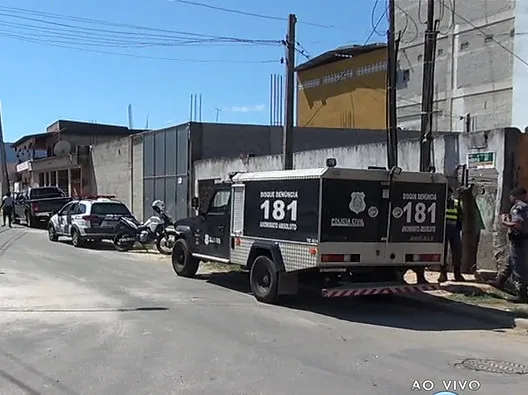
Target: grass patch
[(477, 299)]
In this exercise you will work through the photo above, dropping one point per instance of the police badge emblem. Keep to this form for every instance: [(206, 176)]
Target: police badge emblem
[(357, 202)]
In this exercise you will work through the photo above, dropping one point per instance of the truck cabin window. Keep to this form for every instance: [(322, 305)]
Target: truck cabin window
[(219, 203)]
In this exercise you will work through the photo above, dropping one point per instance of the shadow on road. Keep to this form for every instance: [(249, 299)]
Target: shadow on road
[(99, 246), (404, 312), (56, 384)]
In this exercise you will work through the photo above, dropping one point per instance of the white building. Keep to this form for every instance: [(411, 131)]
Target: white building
[(481, 63)]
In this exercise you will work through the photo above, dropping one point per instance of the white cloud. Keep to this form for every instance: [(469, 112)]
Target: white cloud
[(257, 108)]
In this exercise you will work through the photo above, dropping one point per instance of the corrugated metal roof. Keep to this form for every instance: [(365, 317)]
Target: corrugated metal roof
[(339, 54)]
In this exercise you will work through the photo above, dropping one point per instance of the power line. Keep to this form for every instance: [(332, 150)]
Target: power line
[(246, 13), (60, 45), (375, 25), (30, 15), (484, 33)]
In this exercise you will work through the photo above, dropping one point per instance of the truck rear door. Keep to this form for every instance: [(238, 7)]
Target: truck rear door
[(354, 211), (417, 212)]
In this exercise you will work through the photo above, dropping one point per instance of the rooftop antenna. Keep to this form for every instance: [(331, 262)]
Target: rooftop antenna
[(130, 119), (218, 111), (146, 122)]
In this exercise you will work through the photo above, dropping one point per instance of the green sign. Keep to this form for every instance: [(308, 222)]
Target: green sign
[(481, 160)]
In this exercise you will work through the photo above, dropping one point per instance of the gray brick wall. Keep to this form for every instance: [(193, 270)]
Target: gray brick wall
[(473, 74), (112, 168)]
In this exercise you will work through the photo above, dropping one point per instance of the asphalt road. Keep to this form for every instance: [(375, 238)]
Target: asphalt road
[(86, 321)]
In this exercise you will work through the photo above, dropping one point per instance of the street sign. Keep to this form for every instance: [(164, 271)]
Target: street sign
[(481, 160)]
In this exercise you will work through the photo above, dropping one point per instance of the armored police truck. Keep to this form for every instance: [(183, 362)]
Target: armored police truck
[(347, 231)]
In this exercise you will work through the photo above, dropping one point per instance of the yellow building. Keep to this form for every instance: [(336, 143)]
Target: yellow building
[(344, 88)]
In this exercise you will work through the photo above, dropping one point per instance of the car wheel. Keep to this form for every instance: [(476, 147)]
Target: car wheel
[(76, 238), (52, 234)]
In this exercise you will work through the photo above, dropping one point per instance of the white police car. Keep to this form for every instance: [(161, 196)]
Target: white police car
[(90, 219)]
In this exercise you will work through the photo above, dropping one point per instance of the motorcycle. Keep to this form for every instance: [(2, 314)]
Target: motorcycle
[(156, 229)]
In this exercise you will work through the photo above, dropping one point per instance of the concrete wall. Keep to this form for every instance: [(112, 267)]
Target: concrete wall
[(474, 67), (210, 140), (451, 150), (117, 166)]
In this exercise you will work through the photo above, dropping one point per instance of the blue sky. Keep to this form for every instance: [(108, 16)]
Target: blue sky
[(40, 83)]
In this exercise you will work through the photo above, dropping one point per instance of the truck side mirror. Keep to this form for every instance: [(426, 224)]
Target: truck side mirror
[(195, 203)]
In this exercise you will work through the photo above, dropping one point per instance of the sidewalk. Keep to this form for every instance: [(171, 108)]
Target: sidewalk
[(478, 300)]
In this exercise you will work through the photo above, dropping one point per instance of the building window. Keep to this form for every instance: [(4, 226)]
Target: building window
[(488, 39), (63, 181), (464, 45), (403, 76), (440, 52), (53, 178), (420, 57)]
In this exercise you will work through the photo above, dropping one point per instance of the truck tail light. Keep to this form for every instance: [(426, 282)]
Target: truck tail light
[(34, 207), (423, 258)]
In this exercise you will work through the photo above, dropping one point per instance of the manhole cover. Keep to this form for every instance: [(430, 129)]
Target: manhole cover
[(493, 366)]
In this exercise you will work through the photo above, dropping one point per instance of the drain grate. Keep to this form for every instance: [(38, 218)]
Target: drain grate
[(492, 366)]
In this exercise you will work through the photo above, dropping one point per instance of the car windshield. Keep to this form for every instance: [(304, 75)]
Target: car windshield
[(44, 193), (110, 208)]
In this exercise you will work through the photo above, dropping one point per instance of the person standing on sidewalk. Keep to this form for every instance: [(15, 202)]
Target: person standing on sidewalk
[(517, 223), (7, 206), (452, 238), (505, 272)]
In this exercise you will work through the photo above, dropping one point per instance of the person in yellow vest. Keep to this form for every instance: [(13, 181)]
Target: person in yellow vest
[(453, 238)]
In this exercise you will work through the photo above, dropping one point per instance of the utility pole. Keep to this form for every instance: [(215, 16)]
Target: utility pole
[(287, 137), (392, 64), (4, 179), (431, 34)]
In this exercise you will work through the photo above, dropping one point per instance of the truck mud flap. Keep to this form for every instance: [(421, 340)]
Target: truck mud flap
[(376, 289)]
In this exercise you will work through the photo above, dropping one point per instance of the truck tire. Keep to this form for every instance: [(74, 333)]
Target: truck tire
[(183, 263), (264, 280)]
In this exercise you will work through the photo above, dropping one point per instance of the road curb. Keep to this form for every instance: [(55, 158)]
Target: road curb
[(486, 314)]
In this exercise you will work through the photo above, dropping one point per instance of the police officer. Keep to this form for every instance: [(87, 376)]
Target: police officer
[(517, 223), (452, 238), (505, 272), (7, 206)]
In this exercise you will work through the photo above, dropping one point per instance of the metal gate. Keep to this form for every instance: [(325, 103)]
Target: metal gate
[(166, 170)]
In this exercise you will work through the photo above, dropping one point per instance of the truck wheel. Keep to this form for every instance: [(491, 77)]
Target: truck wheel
[(183, 263), (77, 241), (263, 280), (52, 234)]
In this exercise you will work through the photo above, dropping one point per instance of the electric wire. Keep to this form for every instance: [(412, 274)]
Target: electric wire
[(484, 33), (50, 29), (50, 19), (246, 13), (374, 25), (59, 45)]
